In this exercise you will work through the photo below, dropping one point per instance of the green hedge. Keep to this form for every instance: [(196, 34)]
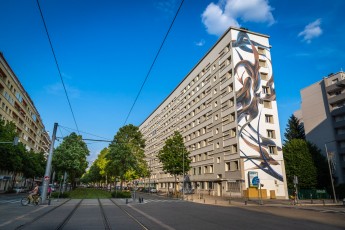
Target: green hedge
[(121, 194)]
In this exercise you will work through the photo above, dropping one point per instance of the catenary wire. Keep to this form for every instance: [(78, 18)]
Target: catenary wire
[(148, 73), (67, 129), (57, 65)]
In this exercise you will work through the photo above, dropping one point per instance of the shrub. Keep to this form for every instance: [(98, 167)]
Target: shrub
[(62, 195), (121, 194)]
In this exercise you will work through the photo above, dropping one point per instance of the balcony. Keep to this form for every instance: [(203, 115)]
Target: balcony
[(337, 98), (336, 86)]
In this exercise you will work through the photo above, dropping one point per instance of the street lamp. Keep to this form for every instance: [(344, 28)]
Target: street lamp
[(330, 172)]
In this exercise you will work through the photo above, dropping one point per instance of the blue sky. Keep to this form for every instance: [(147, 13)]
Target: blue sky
[(105, 48)]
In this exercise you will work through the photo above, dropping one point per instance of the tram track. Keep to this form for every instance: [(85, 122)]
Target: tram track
[(131, 216), (40, 216), (65, 221)]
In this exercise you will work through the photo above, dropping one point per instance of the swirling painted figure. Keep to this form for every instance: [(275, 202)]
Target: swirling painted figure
[(249, 102)]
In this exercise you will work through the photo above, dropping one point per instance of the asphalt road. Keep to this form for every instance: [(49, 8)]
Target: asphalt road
[(163, 213)]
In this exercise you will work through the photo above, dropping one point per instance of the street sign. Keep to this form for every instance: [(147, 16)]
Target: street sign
[(46, 178), (256, 181)]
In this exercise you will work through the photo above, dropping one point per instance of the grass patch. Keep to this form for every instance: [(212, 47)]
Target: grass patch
[(88, 193)]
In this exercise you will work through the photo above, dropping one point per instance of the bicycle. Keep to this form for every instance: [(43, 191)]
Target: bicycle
[(36, 200)]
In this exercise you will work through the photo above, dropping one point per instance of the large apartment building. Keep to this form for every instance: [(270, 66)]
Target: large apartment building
[(17, 106), (323, 114), (226, 110)]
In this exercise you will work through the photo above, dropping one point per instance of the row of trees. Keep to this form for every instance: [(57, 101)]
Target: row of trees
[(125, 159), (15, 158)]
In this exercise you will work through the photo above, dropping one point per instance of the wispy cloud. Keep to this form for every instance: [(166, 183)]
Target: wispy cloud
[(218, 17), (166, 6), (311, 31), (57, 89), (200, 43)]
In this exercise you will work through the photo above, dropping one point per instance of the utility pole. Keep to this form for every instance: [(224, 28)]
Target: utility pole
[(48, 167), (330, 174)]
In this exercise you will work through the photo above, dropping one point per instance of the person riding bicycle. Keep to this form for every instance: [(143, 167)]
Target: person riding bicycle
[(34, 192)]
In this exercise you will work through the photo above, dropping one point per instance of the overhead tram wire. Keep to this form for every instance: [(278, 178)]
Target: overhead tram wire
[(159, 50), (57, 65), (68, 130)]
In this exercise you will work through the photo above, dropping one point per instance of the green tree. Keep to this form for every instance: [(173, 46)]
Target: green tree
[(10, 155), (320, 162), (299, 162), (126, 153), (35, 164), (71, 156), (174, 156), (294, 129)]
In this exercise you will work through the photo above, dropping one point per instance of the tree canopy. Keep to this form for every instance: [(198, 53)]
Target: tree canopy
[(174, 156), (294, 129), (299, 162), (126, 154), (71, 156)]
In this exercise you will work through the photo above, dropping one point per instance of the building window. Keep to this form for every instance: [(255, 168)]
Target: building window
[(266, 90), (216, 117), (234, 149), (230, 88), (214, 78), (217, 130), (267, 104), (264, 76), (199, 170), (215, 91), (217, 145), (269, 118), (227, 166), (261, 51), (262, 63), (215, 104), (211, 169), (271, 133), (233, 132), (218, 160), (272, 149)]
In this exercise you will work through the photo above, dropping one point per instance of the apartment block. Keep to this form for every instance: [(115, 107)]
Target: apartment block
[(226, 110), (17, 106), (323, 115)]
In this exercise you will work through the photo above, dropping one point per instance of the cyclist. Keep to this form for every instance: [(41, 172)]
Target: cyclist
[(34, 192)]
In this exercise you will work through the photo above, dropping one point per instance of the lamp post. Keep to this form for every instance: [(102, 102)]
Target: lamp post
[(330, 173), (183, 176)]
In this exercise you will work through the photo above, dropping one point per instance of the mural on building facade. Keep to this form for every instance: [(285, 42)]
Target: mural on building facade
[(250, 99)]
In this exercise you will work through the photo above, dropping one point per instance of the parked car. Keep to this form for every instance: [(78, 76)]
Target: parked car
[(19, 189), (153, 190)]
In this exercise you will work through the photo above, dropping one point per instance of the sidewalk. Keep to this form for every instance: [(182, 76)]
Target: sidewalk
[(226, 201)]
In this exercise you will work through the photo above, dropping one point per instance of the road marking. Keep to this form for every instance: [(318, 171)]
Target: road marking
[(22, 216), (9, 201), (151, 218)]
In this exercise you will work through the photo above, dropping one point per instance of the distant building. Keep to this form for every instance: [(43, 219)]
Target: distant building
[(226, 110), (17, 106), (323, 115)]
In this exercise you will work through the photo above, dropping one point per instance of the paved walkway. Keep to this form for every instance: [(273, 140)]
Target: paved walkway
[(226, 201)]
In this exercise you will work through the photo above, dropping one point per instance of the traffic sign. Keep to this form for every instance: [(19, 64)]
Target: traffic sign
[(46, 178), (256, 181)]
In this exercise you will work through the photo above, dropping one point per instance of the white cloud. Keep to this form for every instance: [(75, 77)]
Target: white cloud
[(200, 43), (311, 31), (218, 17)]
